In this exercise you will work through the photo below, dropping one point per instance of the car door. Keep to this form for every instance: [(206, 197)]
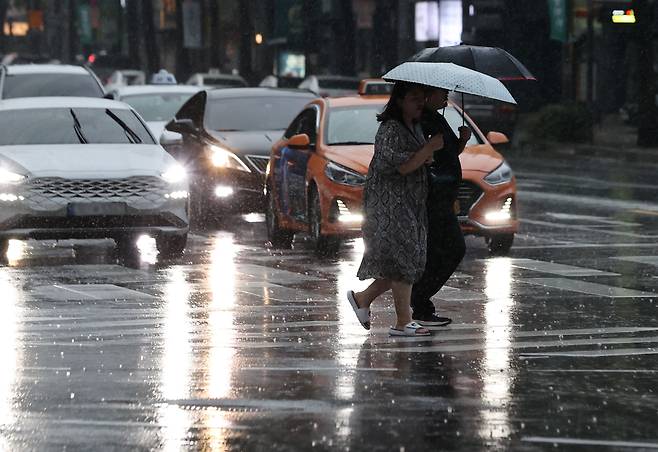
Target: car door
[(294, 163)]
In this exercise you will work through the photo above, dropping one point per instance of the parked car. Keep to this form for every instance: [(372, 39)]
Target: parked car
[(489, 114), (87, 168), (375, 87), (157, 104), (226, 140), (125, 77), (317, 172), (216, 80), (38, 80), (331, 85)]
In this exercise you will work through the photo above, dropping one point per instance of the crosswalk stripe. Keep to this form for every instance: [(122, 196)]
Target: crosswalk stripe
[(589, 288)]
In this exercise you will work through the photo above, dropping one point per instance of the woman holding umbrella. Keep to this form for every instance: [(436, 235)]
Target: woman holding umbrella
[(395, 196)]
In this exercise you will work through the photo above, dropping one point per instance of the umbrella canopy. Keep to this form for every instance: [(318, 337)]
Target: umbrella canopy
[(492, 61), (451, 77)]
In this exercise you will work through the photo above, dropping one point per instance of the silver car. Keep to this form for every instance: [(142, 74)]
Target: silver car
[(87, 168)]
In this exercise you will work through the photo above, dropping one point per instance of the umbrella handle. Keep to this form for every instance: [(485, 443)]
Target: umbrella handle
[(463, 112)]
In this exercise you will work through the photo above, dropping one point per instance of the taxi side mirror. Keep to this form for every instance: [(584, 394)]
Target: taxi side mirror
[(300, 141), (181, 126), (169, 138), (497, 138)]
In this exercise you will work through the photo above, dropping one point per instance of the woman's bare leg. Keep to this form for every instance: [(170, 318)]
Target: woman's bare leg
[(365, 298), (402, 299)]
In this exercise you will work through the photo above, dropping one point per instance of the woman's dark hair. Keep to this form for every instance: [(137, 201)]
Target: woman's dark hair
[(392, 110)]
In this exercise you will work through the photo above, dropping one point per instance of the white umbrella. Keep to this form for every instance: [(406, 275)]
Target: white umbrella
[(451, 77)]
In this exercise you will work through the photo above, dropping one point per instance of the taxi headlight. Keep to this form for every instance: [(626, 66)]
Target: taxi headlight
[(175, 174), (342, 175), (9, 177), (500, 175)]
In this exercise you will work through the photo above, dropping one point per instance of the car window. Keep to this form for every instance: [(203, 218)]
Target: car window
[(454, 118), (308, 124), (39, 85), (252, 113), (353, 125), (339, 84), (58, 126), (157, 106)]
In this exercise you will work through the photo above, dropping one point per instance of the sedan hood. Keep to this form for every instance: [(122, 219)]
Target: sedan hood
[(245, 143), (481, 157), (87, 160), (356, 158)]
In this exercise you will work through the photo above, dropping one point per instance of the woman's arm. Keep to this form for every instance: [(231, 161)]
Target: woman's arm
[(421, 156)]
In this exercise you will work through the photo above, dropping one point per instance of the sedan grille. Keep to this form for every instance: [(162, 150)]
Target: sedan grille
[(54, 192), (259, 162), (468, 194)]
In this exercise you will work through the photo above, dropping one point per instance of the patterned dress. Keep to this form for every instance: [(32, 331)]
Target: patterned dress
[(395, 224)]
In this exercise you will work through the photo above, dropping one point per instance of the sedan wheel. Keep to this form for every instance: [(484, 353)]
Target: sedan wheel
[(324, 245), (278, 237)]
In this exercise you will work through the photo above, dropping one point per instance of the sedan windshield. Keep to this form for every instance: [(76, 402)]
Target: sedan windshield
[(157, 106), (71, 126), (358, 125), (253, 113), (40, 85)]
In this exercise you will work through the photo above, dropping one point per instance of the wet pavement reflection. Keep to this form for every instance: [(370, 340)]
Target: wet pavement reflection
[(239, 347)]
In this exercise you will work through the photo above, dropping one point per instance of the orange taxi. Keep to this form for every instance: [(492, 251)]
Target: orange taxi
[(316, 174)]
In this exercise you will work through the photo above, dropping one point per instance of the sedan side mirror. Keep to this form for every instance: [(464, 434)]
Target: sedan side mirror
[(181, 126), (301, 141), (497, 138), (169, 138)]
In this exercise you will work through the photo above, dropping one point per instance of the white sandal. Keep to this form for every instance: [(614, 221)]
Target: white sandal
[(362, 314), (410, 329)]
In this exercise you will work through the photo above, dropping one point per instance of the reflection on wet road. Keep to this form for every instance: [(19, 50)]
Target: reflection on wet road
[(238, 347)]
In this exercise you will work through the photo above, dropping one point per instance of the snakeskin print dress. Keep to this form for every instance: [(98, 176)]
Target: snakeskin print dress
[(395, 224)]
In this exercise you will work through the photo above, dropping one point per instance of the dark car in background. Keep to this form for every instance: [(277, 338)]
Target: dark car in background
[(226, 137), (48, 80), (490, 115)]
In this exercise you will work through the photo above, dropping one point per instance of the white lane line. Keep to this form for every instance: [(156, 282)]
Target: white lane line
[(593, 201), (587, 229), (591, 353), (557, 269), (321, 369), (595, 219), (601, 290), (586, 245), (594, 371), (588, 442), (454, 294), (648, 260)]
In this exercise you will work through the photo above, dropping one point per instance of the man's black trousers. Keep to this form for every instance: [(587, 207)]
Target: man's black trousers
[(445, 250)]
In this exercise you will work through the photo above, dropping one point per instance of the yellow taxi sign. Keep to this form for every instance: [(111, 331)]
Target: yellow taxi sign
[(620, 16)]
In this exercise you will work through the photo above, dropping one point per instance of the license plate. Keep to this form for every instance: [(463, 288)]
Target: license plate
[(95, 209)]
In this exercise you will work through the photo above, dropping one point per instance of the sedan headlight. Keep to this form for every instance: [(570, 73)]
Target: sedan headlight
[(223, 158), (175, 174), (9, 177), (343, 175), (500, 175)]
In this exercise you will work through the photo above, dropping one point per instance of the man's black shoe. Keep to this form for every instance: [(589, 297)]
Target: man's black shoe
[(432, 320)]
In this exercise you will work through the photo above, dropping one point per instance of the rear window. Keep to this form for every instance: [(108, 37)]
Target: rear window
[(40, 85), (210, 81), (157, 106), (253, 113), (339, 84), (58, 126)]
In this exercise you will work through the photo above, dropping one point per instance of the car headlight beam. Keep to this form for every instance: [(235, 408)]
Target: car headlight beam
[(500, 175), (175, 174), (342, 175), (223, 158), (9, 177)]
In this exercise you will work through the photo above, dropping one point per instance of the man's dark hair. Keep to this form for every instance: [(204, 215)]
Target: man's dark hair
[(392, 110)]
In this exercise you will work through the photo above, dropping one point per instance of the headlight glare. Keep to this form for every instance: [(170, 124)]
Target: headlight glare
[(342, 175), (223, 158), (9, 177), (500, 175), (175, 174)]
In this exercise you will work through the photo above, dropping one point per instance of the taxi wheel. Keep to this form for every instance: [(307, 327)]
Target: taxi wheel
[(499, 245), (324, 245), (171, 246), (278, 237), (4, 247)]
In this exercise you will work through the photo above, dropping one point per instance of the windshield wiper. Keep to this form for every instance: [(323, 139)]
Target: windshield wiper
[(348, 143), (78, 128), (132, 135)]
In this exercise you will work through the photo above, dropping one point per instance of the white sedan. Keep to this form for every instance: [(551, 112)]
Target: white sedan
[(87, 168)]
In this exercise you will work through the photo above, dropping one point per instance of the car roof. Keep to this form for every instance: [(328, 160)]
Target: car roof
[(156, 89), (31, 103), (19, 69), (228, 93)]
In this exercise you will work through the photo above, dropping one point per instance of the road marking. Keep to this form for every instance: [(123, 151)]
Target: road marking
[(587, 228), (592, 218), (589, 288), (649, 260), (595, 371), (586, 245), (84, 292), (593, 201), (591, 353), (588, 442), (454, 294), (557, 269)]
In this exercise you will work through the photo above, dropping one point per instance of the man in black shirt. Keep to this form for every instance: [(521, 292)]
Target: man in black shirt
[(445, 241)]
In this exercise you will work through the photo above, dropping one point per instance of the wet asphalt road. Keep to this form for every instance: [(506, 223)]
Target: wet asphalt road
[(237, 347)]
